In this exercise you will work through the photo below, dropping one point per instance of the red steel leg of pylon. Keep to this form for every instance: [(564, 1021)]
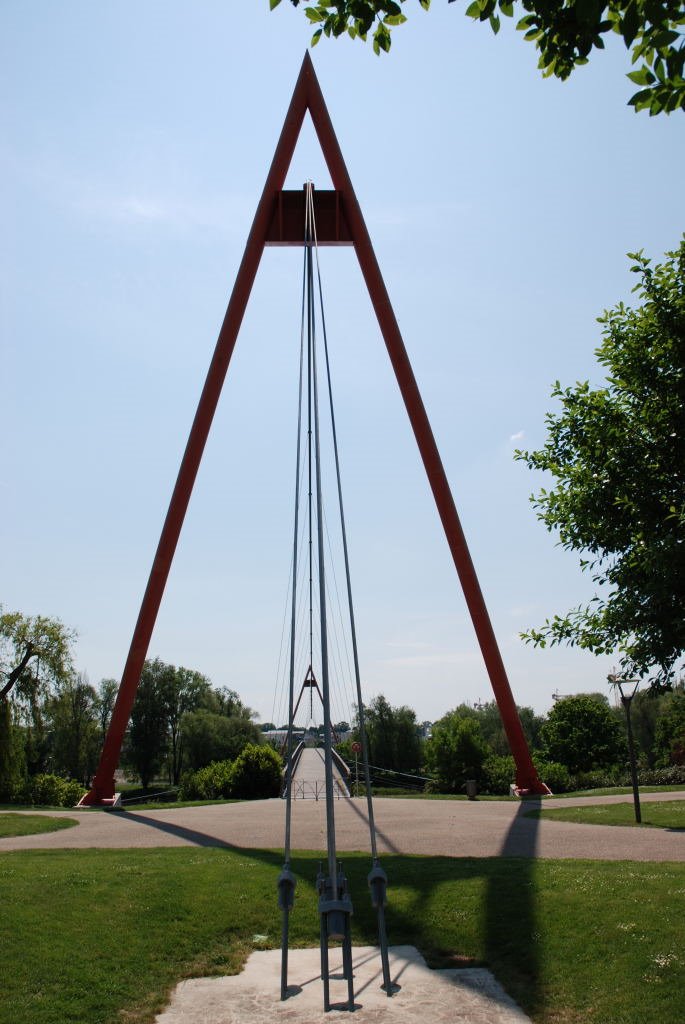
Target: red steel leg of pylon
[(307, 95), (102, 789)]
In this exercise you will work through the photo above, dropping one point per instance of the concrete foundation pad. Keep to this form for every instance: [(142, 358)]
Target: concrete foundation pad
[(468, 996)]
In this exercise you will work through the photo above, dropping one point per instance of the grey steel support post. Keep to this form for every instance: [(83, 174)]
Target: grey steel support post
[(323, 941), (378, 882), (348, 972), (286, 899), (335, 911)]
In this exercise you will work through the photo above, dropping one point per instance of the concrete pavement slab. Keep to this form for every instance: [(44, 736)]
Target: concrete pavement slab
[(453, 996)]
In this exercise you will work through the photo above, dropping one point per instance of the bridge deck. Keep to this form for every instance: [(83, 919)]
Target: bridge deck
[(309, 780)]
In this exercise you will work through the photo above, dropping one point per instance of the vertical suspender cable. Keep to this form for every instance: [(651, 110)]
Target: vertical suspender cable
[(325, 682), (377, 879), (286, 881), (291, 699)]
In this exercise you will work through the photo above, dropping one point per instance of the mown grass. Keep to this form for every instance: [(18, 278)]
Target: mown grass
[(655, 814), (30, 824), (98, 936), (156, 805), (618, 791), (408, 794)]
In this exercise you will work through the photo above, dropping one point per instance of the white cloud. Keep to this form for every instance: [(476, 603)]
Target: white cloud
[(518, 436)]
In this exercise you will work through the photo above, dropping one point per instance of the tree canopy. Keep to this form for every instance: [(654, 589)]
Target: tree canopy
[(456, 751), (392, 735), (179, 720), (565, 33), (582, 733), (618, 455), (28, 640)]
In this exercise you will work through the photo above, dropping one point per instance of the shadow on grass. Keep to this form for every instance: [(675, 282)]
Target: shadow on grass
[(512, 937), (506, 940)]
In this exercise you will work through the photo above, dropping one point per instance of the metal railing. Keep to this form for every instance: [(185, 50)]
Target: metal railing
[(312, 789)]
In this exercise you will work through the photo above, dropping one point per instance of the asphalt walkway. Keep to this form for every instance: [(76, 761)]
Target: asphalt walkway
[(451, 828)]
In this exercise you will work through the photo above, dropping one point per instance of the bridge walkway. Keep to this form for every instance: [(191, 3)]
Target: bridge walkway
[(309, 780)]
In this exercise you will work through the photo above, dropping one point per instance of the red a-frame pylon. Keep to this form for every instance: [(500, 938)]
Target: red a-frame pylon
[(278, 221)]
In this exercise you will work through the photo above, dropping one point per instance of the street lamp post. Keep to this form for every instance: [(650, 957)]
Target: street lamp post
[(626, 699)]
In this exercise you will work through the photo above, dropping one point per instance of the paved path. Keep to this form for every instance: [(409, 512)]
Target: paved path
[(453, 828)]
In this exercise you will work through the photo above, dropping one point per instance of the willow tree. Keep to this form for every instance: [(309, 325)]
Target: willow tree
[(35, 652)]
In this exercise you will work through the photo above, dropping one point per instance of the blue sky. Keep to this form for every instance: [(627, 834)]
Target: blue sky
[(134, 143)]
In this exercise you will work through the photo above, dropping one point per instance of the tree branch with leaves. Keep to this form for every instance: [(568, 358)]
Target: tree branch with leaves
[(617, 454), (28, 639), (565, 33)]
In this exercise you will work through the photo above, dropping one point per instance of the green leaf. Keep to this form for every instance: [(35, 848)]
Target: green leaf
[(642, 77), (494, 23), (273, 3), (316, 36), (314, 14), (507, 8), (394, 19), (473, 10)]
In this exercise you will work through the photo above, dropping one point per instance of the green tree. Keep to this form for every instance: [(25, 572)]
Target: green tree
[(490, 721), (12, 763), (106, 699), (223, 701), (582, 734), (184, 690), (669, 739), (73, 722), (455, 751), (646, 710), (146, 742), (210, 737), (618, 456), (564, 34), (30, 640), (393, 736), (35, 654)]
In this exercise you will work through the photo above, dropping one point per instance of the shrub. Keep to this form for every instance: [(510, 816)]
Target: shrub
[(257, 773), (73, 791), (499, 773), (605, 778), (213, 782), (48, 790), (555, 775), (671, 776)]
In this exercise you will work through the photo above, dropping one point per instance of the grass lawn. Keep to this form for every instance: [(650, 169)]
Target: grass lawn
[(156, 805), (30, 824), (662, 814), (615, 791), (97, 936), (618, 791)]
